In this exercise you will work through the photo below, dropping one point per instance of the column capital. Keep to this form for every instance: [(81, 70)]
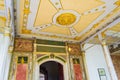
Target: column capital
[(10, 49), (83, 53), (8, 33), (104, 42), (7, 30), (35, 46), (101, 36), (82, 47), (102, 39)]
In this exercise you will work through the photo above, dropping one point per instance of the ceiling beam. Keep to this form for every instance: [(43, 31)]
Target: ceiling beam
[(111, 24)]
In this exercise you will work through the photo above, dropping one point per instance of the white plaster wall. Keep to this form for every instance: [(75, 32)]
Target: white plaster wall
[(94, 60)]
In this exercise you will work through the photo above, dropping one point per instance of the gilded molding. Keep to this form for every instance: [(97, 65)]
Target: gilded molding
[(7, 34), (3, 18), (10, 49), (74, 49), (2, 21), (66, 19), (2, 5), (8, 18), (26, 11), (103, 41), (1, 30), (6, 31), (25, 15), (103, 34), (117, 3)]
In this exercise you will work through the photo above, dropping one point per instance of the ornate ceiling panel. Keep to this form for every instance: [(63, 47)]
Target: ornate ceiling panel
[(62, 20)]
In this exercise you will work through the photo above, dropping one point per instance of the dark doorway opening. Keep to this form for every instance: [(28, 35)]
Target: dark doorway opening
[(51, 70)]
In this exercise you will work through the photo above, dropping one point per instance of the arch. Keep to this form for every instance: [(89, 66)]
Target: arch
[(49, 59), (56, 58), (40, 62), (52, 70)]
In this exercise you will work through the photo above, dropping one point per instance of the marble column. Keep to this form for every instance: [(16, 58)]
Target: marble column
[(108, 58), (85, 65), (84, 61), (7, 66), (4, 52), (1, 54), (70, 77)]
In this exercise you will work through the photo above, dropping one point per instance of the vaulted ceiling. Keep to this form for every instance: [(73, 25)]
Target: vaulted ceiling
[(64, 20)]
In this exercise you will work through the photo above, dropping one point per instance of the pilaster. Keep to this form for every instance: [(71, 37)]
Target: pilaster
[(84, 61)]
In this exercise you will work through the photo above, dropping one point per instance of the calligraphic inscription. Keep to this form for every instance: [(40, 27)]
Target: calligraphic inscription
[(74, 49), (23, 45)]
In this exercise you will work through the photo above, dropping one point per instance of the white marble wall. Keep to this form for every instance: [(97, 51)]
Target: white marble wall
[(95, 59)]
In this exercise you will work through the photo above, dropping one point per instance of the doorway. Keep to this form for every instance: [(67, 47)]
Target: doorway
[(51, 70)]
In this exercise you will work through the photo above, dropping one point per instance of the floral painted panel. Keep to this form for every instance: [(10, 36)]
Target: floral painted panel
[(23, 45)]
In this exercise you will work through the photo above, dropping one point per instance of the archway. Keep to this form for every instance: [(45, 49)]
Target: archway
[(51, 70)]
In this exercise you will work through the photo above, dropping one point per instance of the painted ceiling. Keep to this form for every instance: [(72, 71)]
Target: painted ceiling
[(63, 20)]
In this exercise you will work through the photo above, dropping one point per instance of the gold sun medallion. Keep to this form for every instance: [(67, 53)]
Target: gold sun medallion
[(66, 19)]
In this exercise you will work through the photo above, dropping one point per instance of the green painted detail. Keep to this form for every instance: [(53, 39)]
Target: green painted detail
[(48, 42), (60, 59), (50, 49), (45, 57)]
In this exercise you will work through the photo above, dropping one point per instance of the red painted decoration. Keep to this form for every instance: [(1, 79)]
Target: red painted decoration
[(78, 72), (21, 73)]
